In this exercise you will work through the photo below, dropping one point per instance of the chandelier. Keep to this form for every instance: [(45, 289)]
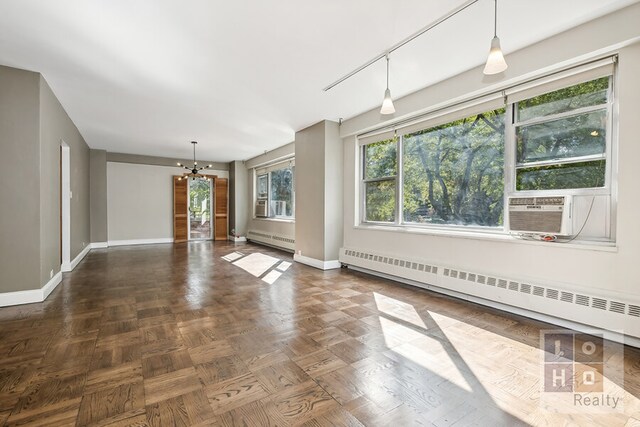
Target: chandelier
[(194, 170)]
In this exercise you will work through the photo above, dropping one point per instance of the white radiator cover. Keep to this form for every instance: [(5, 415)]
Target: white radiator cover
[(271, 239), (612, 312)]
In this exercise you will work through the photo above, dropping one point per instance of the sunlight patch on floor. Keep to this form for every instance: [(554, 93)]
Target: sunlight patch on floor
[(256, 264), (283, 266), (272, 276), (398, 309), (233, 256)]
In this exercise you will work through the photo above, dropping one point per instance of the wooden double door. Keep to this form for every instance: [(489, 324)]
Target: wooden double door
[(218, 212)]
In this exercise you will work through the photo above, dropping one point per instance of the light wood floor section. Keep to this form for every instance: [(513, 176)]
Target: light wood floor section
[(170, 335)]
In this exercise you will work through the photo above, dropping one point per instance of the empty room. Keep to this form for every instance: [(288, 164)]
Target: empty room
[(337, 213)]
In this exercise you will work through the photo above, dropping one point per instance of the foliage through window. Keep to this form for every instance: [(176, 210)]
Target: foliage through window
[(276, 186), (454, 173)]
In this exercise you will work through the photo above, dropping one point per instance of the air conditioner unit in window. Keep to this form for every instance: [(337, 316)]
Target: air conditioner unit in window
[(541, 215), (261, 209)]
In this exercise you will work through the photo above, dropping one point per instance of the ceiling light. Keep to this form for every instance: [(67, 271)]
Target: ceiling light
[(193, 170), (387, 102), (495, 62)]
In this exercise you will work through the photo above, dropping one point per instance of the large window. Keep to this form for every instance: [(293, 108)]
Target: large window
[(455, 173), (275, 186), (562, 138)]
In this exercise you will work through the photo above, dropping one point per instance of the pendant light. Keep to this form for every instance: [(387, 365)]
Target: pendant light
[(194, 170), (387, 102), (495, 62)]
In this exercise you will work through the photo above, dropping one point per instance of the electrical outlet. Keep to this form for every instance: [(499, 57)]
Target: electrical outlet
[(51, 274)]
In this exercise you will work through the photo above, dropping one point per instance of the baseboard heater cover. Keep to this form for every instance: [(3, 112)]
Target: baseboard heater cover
[(612, 312), (271, 239)]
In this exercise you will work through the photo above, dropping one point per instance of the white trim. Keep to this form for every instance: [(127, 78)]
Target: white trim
[(140, 241), (316, 263), (66, 267), (610, 335), (99, 245), (237, 239), (32, 295)]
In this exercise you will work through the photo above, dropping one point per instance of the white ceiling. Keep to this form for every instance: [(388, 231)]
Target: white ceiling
[(240, 77)]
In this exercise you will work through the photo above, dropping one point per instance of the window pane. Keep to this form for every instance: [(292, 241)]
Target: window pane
[(454, 174), (380, 159), (262, 189), (380, 200), (556, 177), (281, 193), (594, 92), (573, 136)]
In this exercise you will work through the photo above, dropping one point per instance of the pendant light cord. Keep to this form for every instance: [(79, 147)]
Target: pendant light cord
[(495, 19), (387, 71)]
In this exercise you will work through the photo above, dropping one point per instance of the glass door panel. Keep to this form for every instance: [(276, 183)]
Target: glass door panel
[(199, 209)]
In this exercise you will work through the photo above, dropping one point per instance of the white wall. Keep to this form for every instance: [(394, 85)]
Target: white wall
[(605, 271), (140, 200)]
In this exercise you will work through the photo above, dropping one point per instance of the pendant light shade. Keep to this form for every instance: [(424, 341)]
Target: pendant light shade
[(495, 62), (387, 102)]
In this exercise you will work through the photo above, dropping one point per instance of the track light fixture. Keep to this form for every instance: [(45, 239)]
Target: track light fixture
[(193, 170), (387, 102), (495, 61)]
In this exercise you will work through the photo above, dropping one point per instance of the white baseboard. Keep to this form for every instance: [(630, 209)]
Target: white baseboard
[(237, 239), (32, 295), (69, 267), (316, 263), (99, 245), (607, 334), (140, 242)]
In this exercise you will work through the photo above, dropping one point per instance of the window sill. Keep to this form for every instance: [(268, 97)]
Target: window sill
[(288, 221), (495, 236)]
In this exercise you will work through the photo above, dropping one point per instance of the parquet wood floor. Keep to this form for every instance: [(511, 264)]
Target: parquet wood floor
[(168, 335)]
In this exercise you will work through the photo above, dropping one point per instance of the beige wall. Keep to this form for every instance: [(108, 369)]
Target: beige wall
[(139, 200), (55, 127), (19, 178), (566, 266), (239, 207)]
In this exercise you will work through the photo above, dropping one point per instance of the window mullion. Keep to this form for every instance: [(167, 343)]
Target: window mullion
[(399, 195)]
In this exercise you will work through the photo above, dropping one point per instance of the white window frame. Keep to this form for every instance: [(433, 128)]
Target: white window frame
[(509, 162), (266, 170)]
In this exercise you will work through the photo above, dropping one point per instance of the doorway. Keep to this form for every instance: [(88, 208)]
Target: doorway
[(65, 206), (199, 203)]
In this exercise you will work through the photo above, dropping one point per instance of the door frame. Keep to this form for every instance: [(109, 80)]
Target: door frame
[(65, 205)]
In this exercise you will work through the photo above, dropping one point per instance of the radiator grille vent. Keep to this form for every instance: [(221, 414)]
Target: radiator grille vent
[(566, 297), (552, 293), (599, 303), (541, 291), (617, 307)]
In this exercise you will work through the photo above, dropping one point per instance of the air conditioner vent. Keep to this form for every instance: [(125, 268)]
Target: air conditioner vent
[(454, 274), (471, 277), (582, 300), (599, 303), (566, 297), (525, 288), (447, 272), (617, 307), (502, 283), (634, 310), (513, 286), (463, 275), (482, 279), (491, 281), (538, 291), (552, 293), (547, 215)]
